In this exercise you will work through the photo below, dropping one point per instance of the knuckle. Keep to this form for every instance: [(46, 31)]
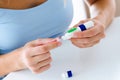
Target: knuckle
[(87, 41), (86, 45), (27, 52), (47, 55), (97, 41), (46, 66), (81, 46), (49, 66), (90, 45), (36, 49), (44, 49), (36, 71), (33, 66), (56, 45), (50, 60), (102, 35), (103, 27)]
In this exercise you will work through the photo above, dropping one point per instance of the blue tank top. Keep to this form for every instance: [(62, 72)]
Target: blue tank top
[(49, 20)]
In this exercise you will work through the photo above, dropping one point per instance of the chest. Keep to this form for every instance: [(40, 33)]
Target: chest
[(18, 27)]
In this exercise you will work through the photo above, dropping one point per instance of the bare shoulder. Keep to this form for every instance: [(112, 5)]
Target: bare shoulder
[(20, 4)]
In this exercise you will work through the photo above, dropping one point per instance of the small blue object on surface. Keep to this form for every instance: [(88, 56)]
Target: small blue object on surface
[(82, 27), (69, 74)]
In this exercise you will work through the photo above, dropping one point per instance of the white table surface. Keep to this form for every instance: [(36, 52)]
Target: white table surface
[(101, 62)]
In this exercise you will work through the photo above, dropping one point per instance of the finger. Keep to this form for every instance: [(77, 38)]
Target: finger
[(91, 44), (90, 32), (44, 48), (39, 42), (85, 45), (47, 47), (89, 39), (40, 57), (40, 64), (42, 69), (38, 51), (45, 62)]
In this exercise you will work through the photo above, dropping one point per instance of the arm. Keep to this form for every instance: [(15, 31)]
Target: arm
[(10, 62), (102, 10), (35, 55), (102, 13)]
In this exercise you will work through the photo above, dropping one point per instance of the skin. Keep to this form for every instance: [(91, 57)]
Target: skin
[(20, 4), (102, 13), (35, 55)]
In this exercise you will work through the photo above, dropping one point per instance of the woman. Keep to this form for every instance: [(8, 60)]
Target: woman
[(28, 30)]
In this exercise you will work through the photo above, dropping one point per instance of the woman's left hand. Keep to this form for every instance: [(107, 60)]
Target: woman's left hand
[(90, 37)]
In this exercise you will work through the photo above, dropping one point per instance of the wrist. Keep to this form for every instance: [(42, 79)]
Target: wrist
[(100, 17), (19, 63), (103, 19)]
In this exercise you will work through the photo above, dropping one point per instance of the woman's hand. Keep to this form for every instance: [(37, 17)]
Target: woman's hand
[(36, 56), (90, 37)]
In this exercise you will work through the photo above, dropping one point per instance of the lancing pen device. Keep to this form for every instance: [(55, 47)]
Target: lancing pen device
[(81, 27)]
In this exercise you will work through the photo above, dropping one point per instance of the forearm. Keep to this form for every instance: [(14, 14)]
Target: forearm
[(9, 62), (102, 10)]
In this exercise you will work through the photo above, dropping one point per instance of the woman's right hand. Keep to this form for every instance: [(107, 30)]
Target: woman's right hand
[(35, 55)]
